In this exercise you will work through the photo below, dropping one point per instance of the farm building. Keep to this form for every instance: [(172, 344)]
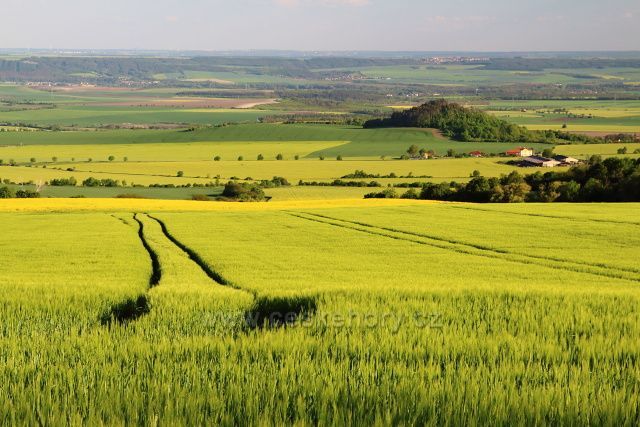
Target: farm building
[(566, 160), (520, 152), (540, 162), (476, 154)]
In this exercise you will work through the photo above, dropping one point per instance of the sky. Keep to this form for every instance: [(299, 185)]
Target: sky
[(322, 25)]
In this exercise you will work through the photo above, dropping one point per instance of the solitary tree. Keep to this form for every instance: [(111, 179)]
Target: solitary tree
[(54, 159), (240, 158), (32, 160), (279, 157), (339, 157), (547, 152), (180, 174), (217, 158), (112, 158), (413, 150), (321, 157), (260, 157), (297, 157)]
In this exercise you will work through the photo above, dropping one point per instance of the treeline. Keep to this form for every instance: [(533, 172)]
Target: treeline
[(364, 175), (609, 180), (7, 193), (339, 183), (469, 124), (109, 69)]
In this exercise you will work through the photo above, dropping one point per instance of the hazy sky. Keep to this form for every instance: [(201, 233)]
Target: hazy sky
[(428, 25)]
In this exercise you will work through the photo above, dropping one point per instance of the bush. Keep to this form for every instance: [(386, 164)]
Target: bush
[(388, 193), (200, 198), (180, 174), (63, 182), (339, 158), (111, 158), (94, 182), (6, 193), (240, 158), (260, 157), (279, 157), (547, 152), (27, 194), (217, 158), (243, 192), (411, 194)]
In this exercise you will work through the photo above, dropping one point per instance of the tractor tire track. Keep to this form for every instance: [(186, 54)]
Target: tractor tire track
[(267, 310), (133, 308), (156, 270), (567, 218), (196, 258), (457, 247), (581, 264)]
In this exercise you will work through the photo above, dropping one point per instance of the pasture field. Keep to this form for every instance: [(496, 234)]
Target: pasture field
[(407, 312), (307, 170), (599, 117), (90, 106), (206, 172), (101, 116), (348, 141), (586, 150)]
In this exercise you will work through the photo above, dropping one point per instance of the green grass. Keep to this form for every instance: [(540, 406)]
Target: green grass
[(100, 116), (419, 311), (357, 142), (108, 192)]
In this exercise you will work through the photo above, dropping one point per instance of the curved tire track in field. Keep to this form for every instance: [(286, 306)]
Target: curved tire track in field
[(134, 307), (193, 256), (581, 264), (464, 248), (156, 271), (567, 218), (266, 311)]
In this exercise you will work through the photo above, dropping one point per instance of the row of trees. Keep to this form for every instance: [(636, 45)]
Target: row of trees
[(610, 180), (8, 193)]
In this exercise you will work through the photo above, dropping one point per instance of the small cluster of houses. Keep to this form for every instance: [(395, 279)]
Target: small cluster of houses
[(529, 159)]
